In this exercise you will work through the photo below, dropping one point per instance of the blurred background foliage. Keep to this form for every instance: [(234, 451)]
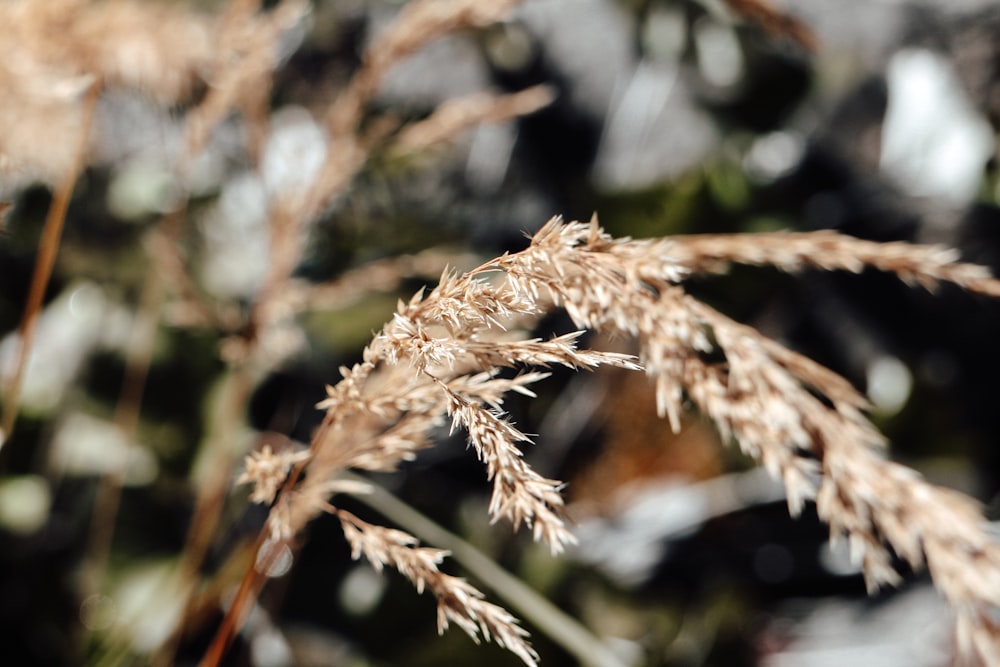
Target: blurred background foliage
[(877, 119)]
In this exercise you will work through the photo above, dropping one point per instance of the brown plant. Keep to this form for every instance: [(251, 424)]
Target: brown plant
[(455, 352), (803, 423)]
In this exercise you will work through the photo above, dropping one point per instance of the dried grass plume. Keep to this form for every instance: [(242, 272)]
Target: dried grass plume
[(439, 357)]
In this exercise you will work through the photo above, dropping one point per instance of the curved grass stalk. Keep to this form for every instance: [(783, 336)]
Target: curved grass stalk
[(560, 627)]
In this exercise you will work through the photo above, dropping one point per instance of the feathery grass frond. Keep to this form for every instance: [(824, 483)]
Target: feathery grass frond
[(803, 423), (768, 398), (922, 265), (458, 601)]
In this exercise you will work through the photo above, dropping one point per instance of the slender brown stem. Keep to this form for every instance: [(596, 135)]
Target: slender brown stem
[(137, 363), (253, 579), (47, 249), (211, 495), (250, 587)]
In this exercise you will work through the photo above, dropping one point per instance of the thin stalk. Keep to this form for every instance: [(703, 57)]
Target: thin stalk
[(254, 578), (108, 497), (47, 250), (211, 495), (561, 628), (246, 596)]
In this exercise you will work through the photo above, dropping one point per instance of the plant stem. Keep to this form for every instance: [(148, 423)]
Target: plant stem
[(47, 249), (543, 614)]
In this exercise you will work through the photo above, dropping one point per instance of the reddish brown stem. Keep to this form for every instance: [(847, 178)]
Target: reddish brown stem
[(250, 587), (209, 500), (47, 249), (253, 579)]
